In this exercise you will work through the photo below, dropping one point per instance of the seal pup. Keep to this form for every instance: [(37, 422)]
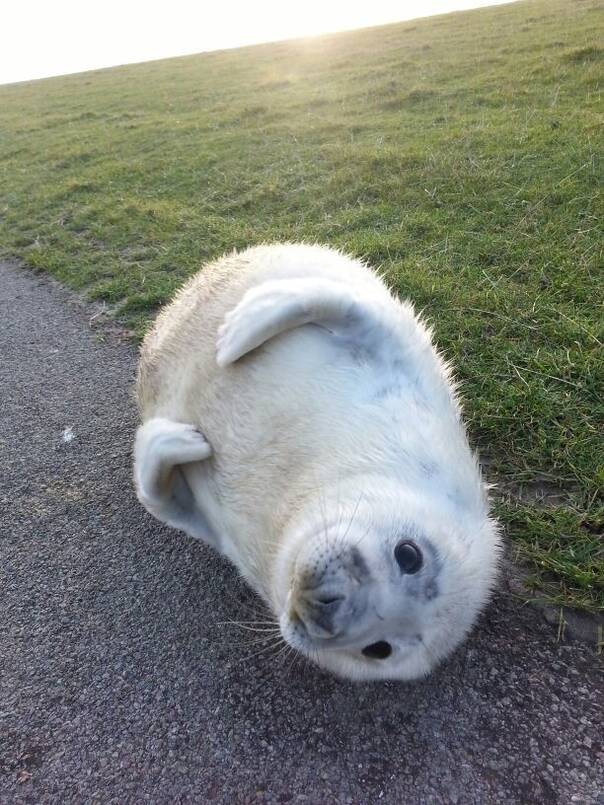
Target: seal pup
[(297, 418)]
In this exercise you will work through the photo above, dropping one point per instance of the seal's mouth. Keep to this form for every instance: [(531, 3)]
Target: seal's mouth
[(378, 651), (299, 637)]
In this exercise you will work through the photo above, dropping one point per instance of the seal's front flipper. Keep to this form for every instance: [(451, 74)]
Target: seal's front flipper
[(161, 448), (281, 305)]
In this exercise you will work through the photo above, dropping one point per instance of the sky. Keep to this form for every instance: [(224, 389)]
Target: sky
[(40, 38)]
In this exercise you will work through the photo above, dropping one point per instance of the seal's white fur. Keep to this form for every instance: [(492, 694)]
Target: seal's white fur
[(296, 415)]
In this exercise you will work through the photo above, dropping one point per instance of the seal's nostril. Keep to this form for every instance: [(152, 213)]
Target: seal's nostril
[(325, 600), (378, 651), (321, 612)]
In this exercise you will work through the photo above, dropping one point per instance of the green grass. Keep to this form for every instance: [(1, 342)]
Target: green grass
[(462, 153)]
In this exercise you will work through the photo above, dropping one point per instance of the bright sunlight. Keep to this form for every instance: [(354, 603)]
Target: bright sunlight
[(66, 36)]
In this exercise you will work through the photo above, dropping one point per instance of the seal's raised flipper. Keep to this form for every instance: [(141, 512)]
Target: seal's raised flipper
[(280, 305), (161, 448)]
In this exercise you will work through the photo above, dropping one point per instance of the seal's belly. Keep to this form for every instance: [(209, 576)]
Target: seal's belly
[(282, 413)]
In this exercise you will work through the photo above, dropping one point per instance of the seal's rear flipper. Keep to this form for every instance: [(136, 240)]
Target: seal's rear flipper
[(161, 448), (281, 305)]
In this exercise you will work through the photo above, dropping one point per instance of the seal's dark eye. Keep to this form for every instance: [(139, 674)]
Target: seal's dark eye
[(408, 556)]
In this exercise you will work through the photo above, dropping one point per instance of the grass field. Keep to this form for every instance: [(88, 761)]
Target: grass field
[(461, 153)]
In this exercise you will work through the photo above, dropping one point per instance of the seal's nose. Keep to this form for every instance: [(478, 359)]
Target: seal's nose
[(319, 610), (328, 590)]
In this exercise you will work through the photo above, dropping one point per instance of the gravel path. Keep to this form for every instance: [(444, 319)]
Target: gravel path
[(118, 684)]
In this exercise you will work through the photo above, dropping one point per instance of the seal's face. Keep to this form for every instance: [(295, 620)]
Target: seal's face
[(385, 601)]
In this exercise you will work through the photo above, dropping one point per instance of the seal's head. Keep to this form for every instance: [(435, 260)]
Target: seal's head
[(379, 595)]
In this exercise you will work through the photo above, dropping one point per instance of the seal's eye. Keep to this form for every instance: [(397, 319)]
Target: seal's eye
[(408, 556)]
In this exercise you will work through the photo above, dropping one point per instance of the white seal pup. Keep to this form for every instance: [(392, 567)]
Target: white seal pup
[(297, 417)]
